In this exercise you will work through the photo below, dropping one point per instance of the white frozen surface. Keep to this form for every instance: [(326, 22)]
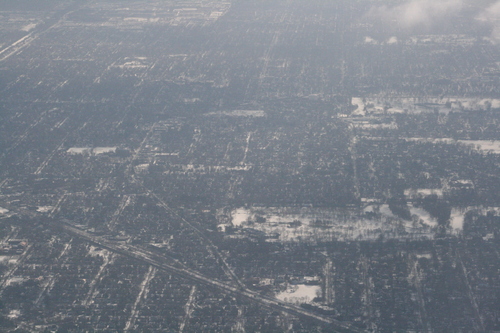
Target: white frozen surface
[(492, 146), (299, 294), (44, 209), (360, 106), (457, 219), (307, 224), (390, 105), (103, 150), (424, 255), (239, 216), (384, 209), (79, 150), (239, 113), (487, 146), (3, 211), (15, 280), (95, 252), (7, 259), (88, 150), (13, 314), (29, 27), (424, 192), (424, 216)]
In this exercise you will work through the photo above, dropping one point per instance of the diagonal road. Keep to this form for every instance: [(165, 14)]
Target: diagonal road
[(20, 44), (161, 263)]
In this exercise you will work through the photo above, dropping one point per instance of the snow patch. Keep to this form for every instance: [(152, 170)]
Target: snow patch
[(361, 106), (424, 255), (309, 224), (97, 252), (487, 146), (44, 209), (103, 150), (424, 216), (15, 280), (423, 192), (239, 113), (14, 314), (88, 150), (28, 27), (457, 219), (239, 216), (299, 294), (79, 150)]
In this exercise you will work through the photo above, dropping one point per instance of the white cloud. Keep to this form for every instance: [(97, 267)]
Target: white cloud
[(491, 15), (392, 40), (418, 13)]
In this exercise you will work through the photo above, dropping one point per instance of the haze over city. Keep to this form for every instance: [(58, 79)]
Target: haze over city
[(249, 166)]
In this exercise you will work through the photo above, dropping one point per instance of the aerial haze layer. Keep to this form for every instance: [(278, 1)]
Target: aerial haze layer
[(249, 166)]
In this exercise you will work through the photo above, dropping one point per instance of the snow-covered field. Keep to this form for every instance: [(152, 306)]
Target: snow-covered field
[(97, 252), (487, 146), (457, 219), (379, 105), (295, 224), (29, 27), (299, 294), (88, 150), (103, 150), (13, 314), (238, 113), (307, 224), (79, 150), (240, 216), (423, 216), (15, 280), (424, 192), (44, 209), (9, 259)]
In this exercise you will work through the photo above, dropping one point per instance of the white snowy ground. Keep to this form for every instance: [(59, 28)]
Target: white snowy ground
[(299, 294), (316, 224)]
